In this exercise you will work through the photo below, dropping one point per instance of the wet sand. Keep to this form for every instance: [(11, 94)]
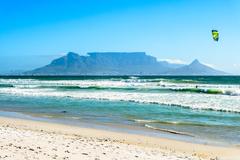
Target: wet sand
[(25, 139)]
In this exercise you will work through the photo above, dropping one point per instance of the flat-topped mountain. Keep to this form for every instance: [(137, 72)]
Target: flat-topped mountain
[(119, 63)]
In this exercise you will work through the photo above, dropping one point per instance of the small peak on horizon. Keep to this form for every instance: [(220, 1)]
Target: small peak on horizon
[(196, 61), (72, 54)]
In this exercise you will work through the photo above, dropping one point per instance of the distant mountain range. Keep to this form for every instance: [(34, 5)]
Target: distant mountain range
[(120, 63)]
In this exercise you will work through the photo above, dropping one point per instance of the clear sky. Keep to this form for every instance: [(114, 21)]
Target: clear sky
[(32, 33)]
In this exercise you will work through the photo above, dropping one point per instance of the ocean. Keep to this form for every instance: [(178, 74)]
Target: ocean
[(204, 109)]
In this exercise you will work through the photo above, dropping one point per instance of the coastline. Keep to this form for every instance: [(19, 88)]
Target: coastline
[(127, 142)]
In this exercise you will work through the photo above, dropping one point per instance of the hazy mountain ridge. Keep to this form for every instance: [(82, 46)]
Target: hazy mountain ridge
[(119, 63), (196, 68)]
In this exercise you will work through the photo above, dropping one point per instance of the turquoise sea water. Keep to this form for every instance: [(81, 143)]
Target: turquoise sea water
[(194, 107)]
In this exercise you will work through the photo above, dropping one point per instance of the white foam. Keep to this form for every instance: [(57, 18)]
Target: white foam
[(195, 101), (27, 87)]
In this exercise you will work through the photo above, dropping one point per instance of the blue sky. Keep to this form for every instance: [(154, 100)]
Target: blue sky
[(32, 33)]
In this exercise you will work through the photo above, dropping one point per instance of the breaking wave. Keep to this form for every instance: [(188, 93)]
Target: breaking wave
[(187, 100), (224, 98), (6, 85)]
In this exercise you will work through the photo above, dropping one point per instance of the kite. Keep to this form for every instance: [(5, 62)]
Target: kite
[(215, 35)]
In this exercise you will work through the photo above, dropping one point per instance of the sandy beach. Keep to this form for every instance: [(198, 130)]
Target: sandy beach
[(24, 139)]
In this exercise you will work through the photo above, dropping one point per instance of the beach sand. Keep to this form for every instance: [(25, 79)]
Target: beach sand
[(25, 139)]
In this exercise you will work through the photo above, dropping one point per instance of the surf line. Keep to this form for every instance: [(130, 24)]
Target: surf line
[(169, 131)]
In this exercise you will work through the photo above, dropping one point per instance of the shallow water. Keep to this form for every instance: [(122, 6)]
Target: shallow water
[(206, 108)]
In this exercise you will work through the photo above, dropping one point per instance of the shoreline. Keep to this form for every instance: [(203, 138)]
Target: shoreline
[(161, 144), (119, 128)]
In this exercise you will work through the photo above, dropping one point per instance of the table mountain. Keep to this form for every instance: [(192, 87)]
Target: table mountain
[(119, 63)]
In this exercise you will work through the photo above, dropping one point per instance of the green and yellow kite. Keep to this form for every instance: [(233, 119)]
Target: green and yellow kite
[(215, 35)]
